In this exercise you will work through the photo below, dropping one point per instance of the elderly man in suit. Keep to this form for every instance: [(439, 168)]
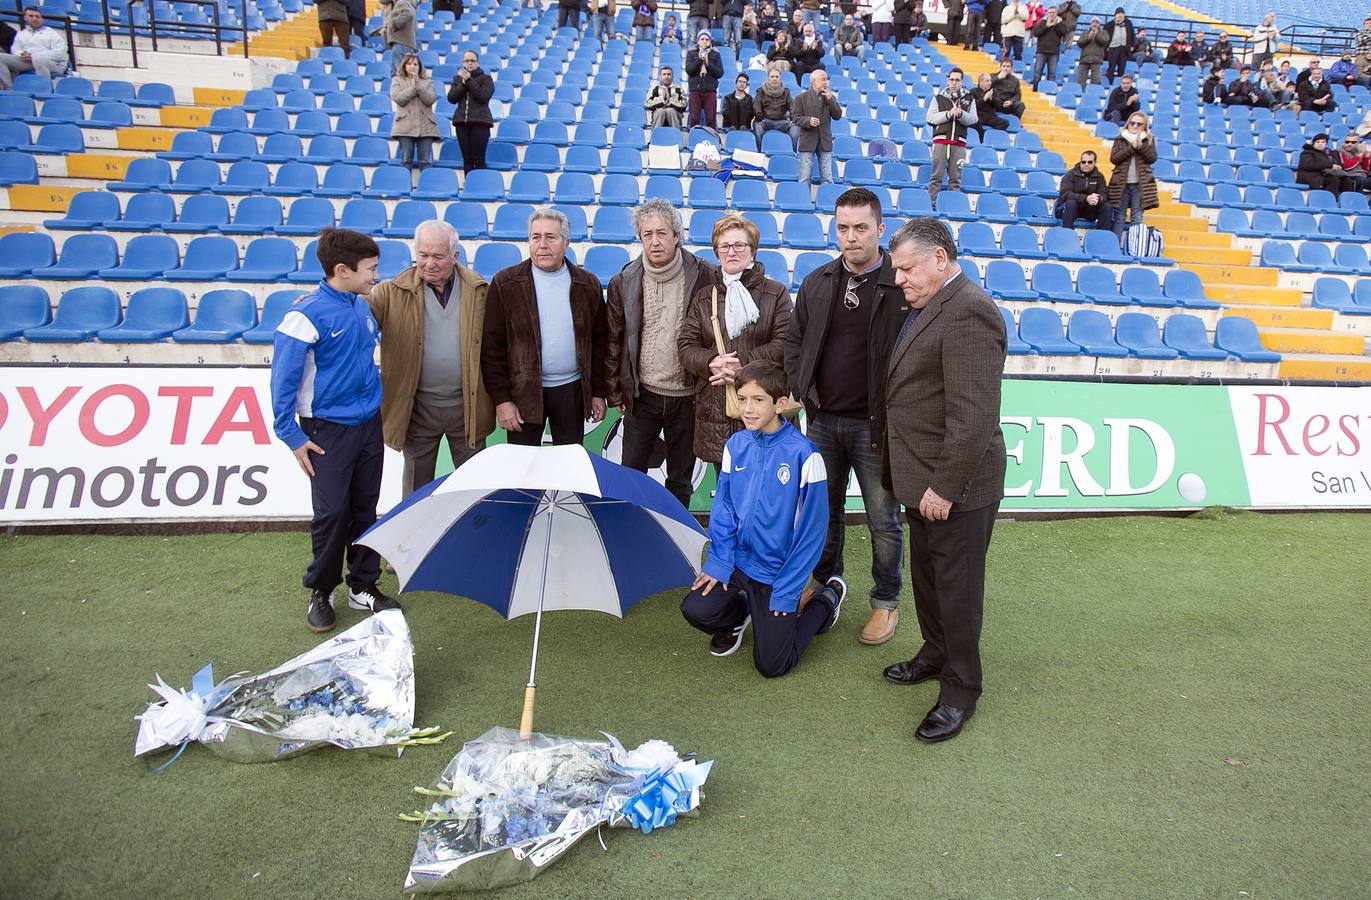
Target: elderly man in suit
[(945, 461)]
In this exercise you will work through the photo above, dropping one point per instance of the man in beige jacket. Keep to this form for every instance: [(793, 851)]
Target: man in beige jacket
[(431, 317)]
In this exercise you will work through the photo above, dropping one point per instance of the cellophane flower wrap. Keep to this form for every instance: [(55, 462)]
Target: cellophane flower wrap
[(354, 691), (506, 808)]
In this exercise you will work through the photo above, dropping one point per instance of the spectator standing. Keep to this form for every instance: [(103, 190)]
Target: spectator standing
[(1093, 43), (697, 20), (1050, 33), (1141, 49), (604, 20), (796, 28), (1132, 186), (1213, 89), (470, 92), (739, 114), (399, 31), (1036, 13), (569, 14), (951, 112), (1180, 52), (1013, 27), (986, 117), (644, 19), (1266, 39), (732, 14), (1069, 11), (753, 313), (1122, 37), (357, 22), (811, 12), (431, 318), (666, 101), (1008, 90), (1083, 194), (994, 14), (771, 106), (812, 113), (808, 55), (703, 67), (326, 400), (975, 23), (544, 342), (752, 24), (1123, 101), (778, 58), (1315, 93), (1243, 91), (956, 9), (847, 316), (646, 309), (848, 38), (883, 21), (414, 126), (1361, 49), (333, 22)]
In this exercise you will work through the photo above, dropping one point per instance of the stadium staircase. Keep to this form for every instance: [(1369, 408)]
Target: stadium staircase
[(1304, 336)]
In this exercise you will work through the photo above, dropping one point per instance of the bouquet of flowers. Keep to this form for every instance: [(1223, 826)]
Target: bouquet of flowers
[(505, 808), (353, 691)]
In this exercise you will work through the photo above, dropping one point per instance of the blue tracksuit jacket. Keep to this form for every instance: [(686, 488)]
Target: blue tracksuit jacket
[(323, 363), (770, 512)]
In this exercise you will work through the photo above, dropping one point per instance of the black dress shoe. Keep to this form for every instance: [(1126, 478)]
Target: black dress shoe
[(911, 671), (943, 722)]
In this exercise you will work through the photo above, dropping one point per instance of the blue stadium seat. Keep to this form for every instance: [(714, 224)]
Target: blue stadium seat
[(664, 187), (273, 311), (806, 263), (860, 171), (59, 138), (144, 212), (1238, 336), (253, 216), (1033, 210), (310, 272), (348, 180), (1041, 329), (1335, 226), (588, 134), (81, 313), (280, 148), (774, 264), (307, 215), (22, 306), (995, 208), (1004, 280), (83, 255), (200, 213), (977, 239), (146, 257), (1352, 257), (395, 258), (1020, 241), (1098, 283), (1093, 331), (221, 316), (23, 251), (143, 174), (541, 158), (206, 259), (511, 222), (1052, 281), (767, 233), (1281, 255), (1185, 288), (528, 187), (914, 202), (1103, 246), (366, 216), (482, 185), (245, 177), (267, 259), (370, 151), (1334, 294), (619, 190), (1138, 334), (1140, 285), (15, 136), (606, 262), (613, 225), (1014, 345), (233, 147), (804, 231), (152, 315), (579, 158), (469, 219), (193, 176), (709, 193), (88, 210), (1186, 334), (791, 196), (491, 258), (409, 214), (955, 205), (294, 179), (1316, 255)]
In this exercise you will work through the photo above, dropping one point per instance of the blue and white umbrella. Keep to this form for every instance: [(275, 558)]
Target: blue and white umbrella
[(528, 529)]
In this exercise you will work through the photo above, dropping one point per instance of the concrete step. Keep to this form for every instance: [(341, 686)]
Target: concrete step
[(1283, 317), (1252, 275), (1211, 255), (1311, 367), (1253, 295), (1311, 341), (1187, 237)]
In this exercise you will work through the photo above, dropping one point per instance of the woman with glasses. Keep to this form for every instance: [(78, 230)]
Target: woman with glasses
[(1132, 186), (471, 91), (753, 313)]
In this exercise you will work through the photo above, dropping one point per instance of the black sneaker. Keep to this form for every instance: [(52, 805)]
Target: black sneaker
[(321, 617), (370, 597), (727, 642), (835, 592)]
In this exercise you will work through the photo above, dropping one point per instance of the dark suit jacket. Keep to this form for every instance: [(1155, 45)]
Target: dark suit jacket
[(943, 402)]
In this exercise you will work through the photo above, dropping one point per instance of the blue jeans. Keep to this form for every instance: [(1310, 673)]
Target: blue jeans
[(416, 153), (762, 126), (1131, 199), (845, 445), (807, 164), (643, 33), (1041, 61), (811, 15), (604, 27), (398, 52), (733, 31), (695, 25)]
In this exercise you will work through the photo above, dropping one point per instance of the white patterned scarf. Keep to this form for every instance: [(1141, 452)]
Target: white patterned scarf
[(740, 310)]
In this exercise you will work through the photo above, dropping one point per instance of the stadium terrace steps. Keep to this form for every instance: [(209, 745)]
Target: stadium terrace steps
[(1226, 271), (1284, 317), (294, 37)]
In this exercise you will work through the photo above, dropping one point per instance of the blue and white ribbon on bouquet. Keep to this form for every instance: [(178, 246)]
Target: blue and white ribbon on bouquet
[(182, 716), (665, 795)]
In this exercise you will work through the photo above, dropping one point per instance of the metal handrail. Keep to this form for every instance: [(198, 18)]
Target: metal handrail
[(217, 29)]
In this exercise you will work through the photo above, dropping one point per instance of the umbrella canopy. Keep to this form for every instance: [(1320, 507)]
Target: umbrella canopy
[(521, 529)]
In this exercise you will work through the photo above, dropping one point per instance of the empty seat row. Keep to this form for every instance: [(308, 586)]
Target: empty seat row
[(153, 314), (1090, 333), (1317, 256)]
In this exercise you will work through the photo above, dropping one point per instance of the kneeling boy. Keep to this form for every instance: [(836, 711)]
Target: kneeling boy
[(766, 530)]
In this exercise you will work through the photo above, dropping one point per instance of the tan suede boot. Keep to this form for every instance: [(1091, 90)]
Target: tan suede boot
[(880, 627)]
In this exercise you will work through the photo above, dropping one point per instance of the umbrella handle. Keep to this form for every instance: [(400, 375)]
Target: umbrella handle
[(526, 720)]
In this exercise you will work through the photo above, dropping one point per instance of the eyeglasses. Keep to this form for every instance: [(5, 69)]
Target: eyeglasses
[(733, 248)]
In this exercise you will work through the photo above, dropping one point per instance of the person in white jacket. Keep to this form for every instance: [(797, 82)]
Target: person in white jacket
[(1013, 26), (1266, 39), (37, 48), (882, 21)]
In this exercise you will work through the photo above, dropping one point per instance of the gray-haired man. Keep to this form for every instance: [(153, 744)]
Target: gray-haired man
[(431, 316), (542, 357), (647, 383)]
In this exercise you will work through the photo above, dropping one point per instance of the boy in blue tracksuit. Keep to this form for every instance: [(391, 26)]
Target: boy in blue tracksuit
[(323, 371), (766, 530)]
